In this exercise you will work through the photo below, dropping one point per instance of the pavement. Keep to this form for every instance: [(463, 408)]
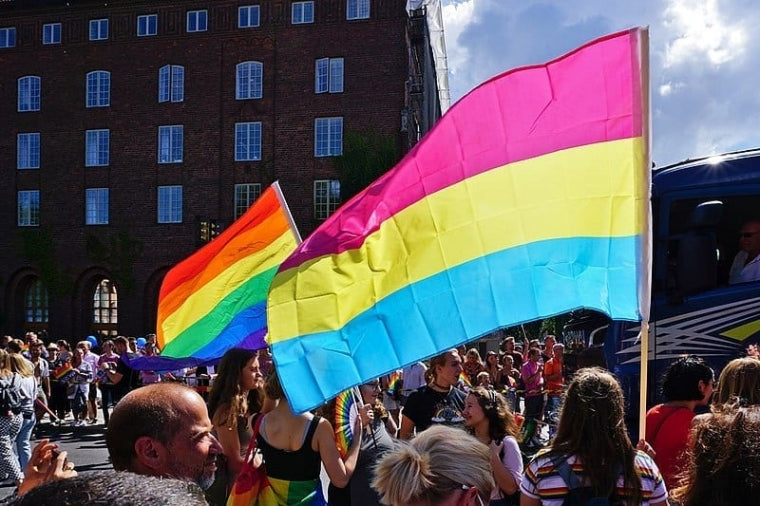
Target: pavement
[(85, 445)]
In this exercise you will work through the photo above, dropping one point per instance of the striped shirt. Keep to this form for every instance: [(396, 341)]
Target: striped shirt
[(542, 480)]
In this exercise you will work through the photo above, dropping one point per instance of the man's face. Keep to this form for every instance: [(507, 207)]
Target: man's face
[(749, 237), (35, 350), (193, 450)]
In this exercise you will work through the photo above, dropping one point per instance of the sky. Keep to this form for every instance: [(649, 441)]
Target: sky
[(704, 59)]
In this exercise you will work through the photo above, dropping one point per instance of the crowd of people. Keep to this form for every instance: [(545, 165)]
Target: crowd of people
[(454, 432)]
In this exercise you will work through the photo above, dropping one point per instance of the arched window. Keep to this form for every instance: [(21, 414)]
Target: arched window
[(105, 308), (36, 303), (249, 82)]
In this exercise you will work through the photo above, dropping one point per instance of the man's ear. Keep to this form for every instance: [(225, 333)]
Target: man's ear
[(151, 454)]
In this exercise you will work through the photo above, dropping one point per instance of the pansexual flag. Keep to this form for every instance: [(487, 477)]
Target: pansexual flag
[(528, 199), (215, 299)]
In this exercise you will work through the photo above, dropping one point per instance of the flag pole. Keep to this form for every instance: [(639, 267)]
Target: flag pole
[(643, 374), (291, 222)]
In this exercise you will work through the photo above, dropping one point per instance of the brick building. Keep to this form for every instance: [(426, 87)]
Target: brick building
[(123, 125)]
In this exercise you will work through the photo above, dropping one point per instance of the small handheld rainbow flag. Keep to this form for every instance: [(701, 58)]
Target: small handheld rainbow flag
[(465, 380), (64, 372), (394, 380)]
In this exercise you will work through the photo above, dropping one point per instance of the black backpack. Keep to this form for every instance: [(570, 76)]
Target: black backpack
[(10, 396), (578, 494)]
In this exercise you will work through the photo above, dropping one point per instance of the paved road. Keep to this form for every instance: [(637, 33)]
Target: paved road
[(86, 447)]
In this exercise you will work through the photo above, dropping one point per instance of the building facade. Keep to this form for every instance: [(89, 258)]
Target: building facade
[(127, 127)]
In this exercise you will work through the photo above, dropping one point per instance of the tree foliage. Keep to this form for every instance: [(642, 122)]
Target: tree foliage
[(366, 156)]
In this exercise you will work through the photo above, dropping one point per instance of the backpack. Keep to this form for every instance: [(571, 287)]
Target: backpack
[(578, 495), (10, 396)]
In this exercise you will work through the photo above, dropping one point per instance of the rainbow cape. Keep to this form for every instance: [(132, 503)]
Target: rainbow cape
[(215, 299), (528, 199)]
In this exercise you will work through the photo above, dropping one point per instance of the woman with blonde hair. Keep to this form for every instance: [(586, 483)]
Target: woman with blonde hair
[(238, 374), (488, 417), (739, 382), (591, 455), (10, 422), (442, 465), (28, 389)]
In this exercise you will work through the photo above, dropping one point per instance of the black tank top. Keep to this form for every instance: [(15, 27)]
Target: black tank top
[(300, 465)]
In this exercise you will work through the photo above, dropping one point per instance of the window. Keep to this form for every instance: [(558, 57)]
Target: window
[(170, 140), (97, 147), (29, 93), (29, 208), (247, 141), (197, 21), (36, 302), (357, 9), (328, 75), (171, 83), (170, 204), (98, 29), (51, 33), (105, 304), (302, 12), (245, 195), (328, 136), (8, 37), (248, 16), (248, 84), (326, 197), (96, 206), (147, 24), (28, 151), (98, 88)]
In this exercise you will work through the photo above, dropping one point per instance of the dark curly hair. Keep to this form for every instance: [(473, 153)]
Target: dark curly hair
[(501, 420)]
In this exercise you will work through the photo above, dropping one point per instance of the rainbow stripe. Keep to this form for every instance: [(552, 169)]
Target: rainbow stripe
[(344, 436), (215, 299), (63, 372), (464, 380), (528, 199), (394, 380)]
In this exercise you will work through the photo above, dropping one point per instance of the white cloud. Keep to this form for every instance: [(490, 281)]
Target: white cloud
[(456, 17), (702, 33)]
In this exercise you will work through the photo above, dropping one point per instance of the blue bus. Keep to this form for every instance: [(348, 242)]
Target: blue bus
[(698, 208)]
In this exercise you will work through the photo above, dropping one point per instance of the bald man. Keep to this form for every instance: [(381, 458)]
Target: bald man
[(746, 266), (163, 429)]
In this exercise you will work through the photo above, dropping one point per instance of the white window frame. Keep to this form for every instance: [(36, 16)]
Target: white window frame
[(29, 93), (326, 197), (99, 29), (195, 19), (28, 208), (328, 136), (245, 17), (97, 147), (299, 11), (98, 89), (328, 75), (96, 206), (169, 199), (357, 9), (28, 150), (245, 195), (249, 80), (147, 25), (7, 37), (171, 139), (248, 141), (51, 33), (171, 83)]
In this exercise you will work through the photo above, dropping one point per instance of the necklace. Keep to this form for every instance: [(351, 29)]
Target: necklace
[(444, 389)]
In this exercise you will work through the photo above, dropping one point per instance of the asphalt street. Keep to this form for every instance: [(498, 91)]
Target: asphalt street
[(86, 447)]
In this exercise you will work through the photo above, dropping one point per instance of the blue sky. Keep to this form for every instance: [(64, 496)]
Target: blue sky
[(704, 59)]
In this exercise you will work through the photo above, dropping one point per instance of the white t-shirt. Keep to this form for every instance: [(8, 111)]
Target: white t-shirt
[(741, 273)]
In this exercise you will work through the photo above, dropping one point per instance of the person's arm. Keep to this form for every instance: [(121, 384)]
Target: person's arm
[(339, 470), (407, 427), (555, 375), (504, 478), (45, 464), (230, 441), (390, 426)]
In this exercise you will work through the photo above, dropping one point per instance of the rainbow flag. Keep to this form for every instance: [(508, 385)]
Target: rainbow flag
[(215, 299), (528, 199), (63, 372), (394, 380)]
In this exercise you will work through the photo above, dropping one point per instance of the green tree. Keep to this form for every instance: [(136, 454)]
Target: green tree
[(366, 157)]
